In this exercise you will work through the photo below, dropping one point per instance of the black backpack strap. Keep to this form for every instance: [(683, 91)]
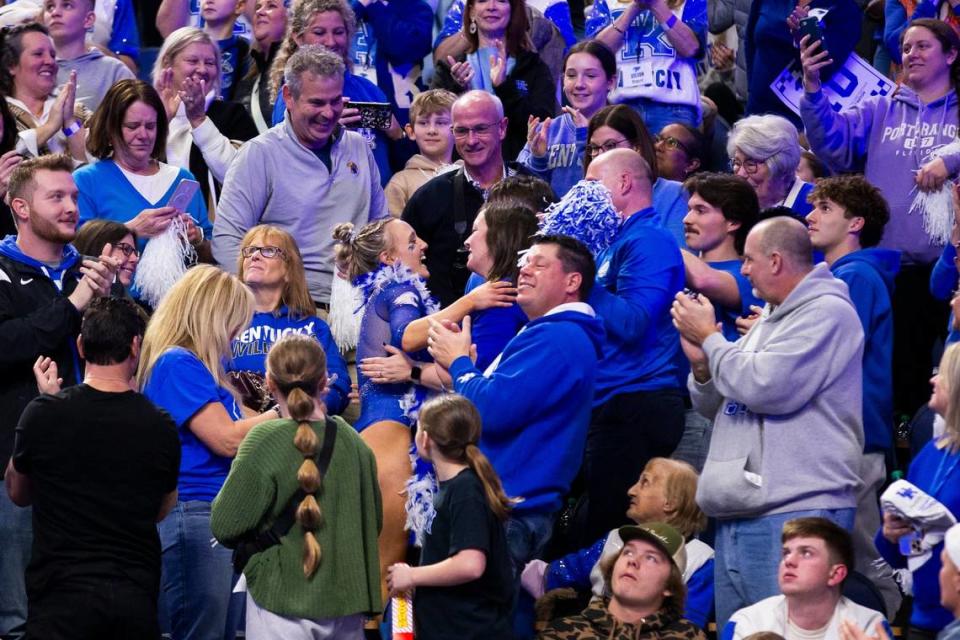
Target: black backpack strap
[(460, 222), (254, 543)]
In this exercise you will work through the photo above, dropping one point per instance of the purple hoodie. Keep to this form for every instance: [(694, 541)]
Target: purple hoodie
[(887, 138)]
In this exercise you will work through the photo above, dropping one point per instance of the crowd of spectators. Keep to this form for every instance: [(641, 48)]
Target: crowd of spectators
[(480, 319)]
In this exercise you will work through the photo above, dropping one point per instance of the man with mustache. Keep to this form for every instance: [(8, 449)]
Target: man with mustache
[(305, 175), (45, 285)]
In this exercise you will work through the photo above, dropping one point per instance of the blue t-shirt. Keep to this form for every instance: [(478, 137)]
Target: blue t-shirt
[(728, 315), (181, 385), (491, 329)]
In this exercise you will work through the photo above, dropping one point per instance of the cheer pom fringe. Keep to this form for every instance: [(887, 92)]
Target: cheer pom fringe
[(164, 261), (587, 213), (937, 206), (345, 317)]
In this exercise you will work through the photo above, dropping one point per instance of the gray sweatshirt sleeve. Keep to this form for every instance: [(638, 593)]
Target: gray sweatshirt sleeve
[(704, 397), (803, 355), (839, 139), (242, 204)]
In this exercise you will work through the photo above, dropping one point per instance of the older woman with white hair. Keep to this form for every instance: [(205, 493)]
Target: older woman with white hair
[(765, 150), (205, 132)]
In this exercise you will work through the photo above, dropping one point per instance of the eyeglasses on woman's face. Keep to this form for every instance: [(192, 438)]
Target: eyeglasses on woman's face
[(593, 150), (265, 252)]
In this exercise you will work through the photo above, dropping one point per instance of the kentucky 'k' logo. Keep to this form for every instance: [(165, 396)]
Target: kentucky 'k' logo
[(907, 493)]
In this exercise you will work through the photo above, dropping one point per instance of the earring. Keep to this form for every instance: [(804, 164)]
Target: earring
[(473, 26)]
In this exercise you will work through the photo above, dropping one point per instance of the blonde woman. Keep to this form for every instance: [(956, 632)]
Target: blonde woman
[(324, 575), (205, 132), (181, 371), (270, 264), (385, 261), (935, 471)]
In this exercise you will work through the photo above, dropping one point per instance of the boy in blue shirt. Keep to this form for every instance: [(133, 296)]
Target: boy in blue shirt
[(846, 223)]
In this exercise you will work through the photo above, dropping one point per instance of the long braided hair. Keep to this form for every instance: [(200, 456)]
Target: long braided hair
[(297, 367)]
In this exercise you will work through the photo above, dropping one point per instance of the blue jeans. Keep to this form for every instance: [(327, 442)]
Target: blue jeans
[(527, 538), (748, 554), (195, 598), (657, 115), (16, 539)]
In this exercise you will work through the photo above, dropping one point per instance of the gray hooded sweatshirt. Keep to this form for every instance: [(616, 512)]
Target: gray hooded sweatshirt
[(786, 404)]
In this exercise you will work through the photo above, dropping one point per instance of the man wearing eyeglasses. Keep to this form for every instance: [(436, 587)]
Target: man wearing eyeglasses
[(305, 175), (442, 211)]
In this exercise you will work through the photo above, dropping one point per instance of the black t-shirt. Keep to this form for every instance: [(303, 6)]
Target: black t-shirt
[(99, 465), (478, 609)]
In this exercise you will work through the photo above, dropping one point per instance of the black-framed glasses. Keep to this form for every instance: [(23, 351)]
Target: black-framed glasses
[(266, 252), (127, 249), (672, 143), (593, 150), (479, 130), (750, 166)]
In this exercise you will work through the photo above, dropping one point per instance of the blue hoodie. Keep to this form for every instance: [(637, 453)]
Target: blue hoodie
[(637, 277), (869, 275), (251, 346), (68, 258), (887, 138), (536, 405)]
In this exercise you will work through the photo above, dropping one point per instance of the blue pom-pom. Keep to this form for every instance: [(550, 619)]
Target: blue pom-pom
[(586, 213)]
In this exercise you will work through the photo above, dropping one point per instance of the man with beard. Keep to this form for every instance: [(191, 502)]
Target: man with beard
[(45, 285), (306, 175)]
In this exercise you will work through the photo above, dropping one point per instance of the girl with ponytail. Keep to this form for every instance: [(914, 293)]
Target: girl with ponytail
[(296, 587), (464, 584)]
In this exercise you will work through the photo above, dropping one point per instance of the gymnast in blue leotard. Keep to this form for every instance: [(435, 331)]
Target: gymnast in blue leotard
[(385, 261)]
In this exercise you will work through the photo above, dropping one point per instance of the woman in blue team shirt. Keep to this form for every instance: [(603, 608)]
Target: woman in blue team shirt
[(554, 148), (181, 371), (270, 264), (935, 471), (658, 43)]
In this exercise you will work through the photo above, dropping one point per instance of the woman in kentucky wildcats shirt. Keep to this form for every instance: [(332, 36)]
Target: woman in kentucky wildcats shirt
[(657, 44)]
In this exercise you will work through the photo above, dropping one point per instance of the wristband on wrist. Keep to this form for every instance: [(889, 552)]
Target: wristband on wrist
[(72, 128), (415, 373), (618, 29), (670, 22)]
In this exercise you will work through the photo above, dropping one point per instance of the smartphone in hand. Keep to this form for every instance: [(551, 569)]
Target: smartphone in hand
[(810, 26), (183, 194)]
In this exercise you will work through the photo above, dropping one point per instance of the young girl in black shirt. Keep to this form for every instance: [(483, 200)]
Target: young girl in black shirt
[(464, 584)]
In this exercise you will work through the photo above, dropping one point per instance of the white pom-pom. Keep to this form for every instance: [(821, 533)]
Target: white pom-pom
[(937, 210), (345, 313), (163, 263)]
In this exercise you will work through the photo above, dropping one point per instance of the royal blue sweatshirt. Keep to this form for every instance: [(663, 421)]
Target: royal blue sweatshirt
[(562, 167), (869, 275), (251, 346), (728, 315), (540, 392), (637, 277)]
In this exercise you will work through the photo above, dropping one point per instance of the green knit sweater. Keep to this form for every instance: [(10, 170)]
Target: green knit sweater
[(263, 480)]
